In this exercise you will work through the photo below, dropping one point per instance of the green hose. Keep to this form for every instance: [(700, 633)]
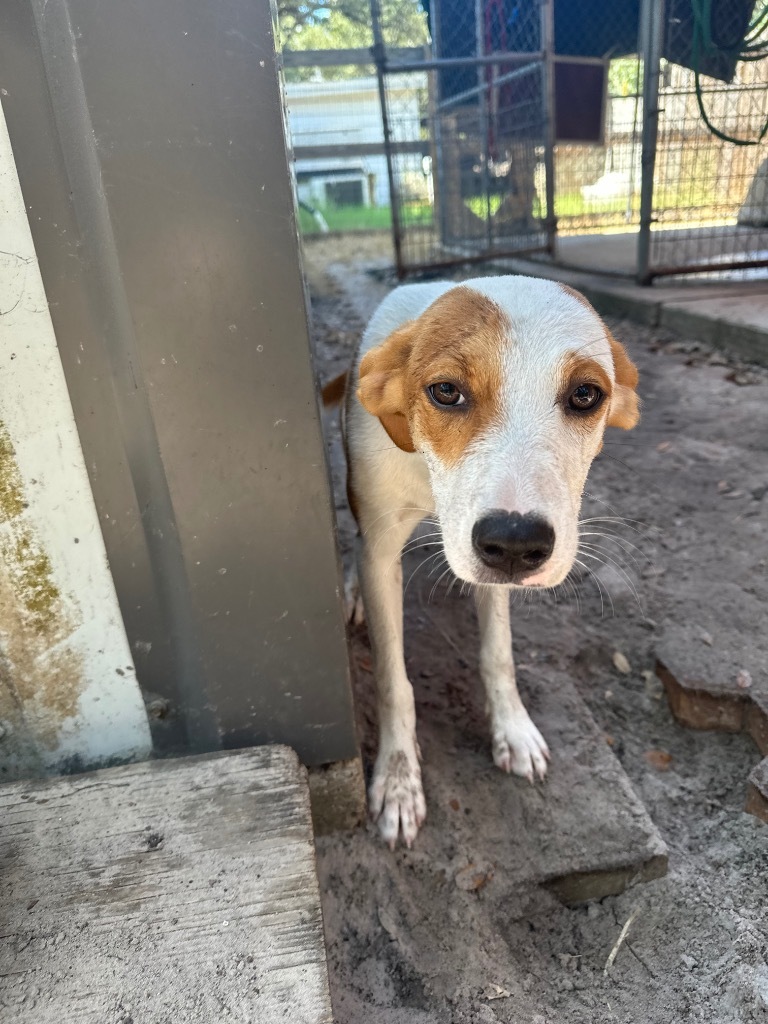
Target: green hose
[(752, 47)]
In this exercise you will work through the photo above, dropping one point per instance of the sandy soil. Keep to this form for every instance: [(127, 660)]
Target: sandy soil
[(408, 942)]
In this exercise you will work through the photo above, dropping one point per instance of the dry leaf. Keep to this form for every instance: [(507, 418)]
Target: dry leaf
[(621, 663), (664, 446), (658, 759), (474, 877), (455, 804), (387, 923)]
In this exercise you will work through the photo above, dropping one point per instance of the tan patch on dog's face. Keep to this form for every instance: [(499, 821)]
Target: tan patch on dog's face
[(459, 339), (624, 411)]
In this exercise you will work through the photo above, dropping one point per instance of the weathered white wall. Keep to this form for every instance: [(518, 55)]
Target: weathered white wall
[(68, 691)]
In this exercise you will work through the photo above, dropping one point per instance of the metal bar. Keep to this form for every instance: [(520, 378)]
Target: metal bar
[(651, 33), (704, 268), (475, 90), (380, 57), (483, 257), (437, 127), (550, 127), (419, 147), (485, 125), (461, 62), (345, 57)]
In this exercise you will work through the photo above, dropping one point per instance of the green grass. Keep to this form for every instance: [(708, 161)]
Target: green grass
[(567, 205), (365, 218), (347, 218)]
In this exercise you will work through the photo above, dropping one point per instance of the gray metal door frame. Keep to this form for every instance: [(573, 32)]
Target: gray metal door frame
[(149, 140)]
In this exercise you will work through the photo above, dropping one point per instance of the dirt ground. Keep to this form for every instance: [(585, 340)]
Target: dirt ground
[(407, 941)]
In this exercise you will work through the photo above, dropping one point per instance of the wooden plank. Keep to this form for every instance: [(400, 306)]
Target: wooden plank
[(340, 58), (354, 149), (166, 891)]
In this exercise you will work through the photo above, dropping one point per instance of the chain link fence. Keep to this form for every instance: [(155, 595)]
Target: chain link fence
[(710, 200), (478, 128)]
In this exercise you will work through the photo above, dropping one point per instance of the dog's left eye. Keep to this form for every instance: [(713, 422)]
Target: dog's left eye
[(584, 397), (446, 394)]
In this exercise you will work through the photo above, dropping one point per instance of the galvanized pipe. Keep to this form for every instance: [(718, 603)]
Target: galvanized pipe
[(652, 19), (380, 59), (548, 97)]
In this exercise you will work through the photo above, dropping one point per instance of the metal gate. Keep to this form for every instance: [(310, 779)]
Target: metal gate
[(469, 136), (510, 122), (705, 139)]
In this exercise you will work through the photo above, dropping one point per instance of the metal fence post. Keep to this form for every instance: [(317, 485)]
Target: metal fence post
[(652, 18), (548, 102), (380, 60), (484, 119)]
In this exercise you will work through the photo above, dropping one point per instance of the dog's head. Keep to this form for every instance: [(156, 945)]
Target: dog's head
[(505, 386)]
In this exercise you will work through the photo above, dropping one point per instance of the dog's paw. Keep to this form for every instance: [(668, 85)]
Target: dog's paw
[(396, 797), (519, 747), (353, 601)]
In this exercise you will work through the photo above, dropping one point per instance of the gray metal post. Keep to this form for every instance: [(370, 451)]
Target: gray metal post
[(380, 60), (651, 37), (163, 219), (548, 97), (437, 128), (482, 113)]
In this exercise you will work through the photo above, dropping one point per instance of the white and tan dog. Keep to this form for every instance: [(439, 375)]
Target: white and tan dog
[(482, 406)]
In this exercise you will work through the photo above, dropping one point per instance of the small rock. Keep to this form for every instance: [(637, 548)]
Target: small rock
[(743, 679), (621, 663), (663, 446), (689, 961), (493, 991), (706, 637)]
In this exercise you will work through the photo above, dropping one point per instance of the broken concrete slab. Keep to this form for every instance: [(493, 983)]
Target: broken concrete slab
[(172, 890), (583, 833), (721, 684)]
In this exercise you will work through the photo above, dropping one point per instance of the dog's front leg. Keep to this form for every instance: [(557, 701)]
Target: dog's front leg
[(396, 794), (518, 746)]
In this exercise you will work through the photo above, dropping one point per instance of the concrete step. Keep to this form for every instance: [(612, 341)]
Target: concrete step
[(167, 891)]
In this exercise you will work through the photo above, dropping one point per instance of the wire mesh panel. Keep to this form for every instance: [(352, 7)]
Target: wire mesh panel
[(468, 130), (710, 199), (599, 111)]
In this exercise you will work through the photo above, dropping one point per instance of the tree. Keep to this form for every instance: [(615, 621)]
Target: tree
[(346, 24)]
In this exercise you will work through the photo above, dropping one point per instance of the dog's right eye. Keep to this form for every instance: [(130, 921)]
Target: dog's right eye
[(446, 394)]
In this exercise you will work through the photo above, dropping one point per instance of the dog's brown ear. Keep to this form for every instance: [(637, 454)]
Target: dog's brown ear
[(382, 391), (625, 405)]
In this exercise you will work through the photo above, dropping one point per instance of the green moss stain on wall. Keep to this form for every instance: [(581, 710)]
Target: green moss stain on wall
[(41, 676), (12, 501)]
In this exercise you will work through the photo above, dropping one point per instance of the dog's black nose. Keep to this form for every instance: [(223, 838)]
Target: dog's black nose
[(516, 545)]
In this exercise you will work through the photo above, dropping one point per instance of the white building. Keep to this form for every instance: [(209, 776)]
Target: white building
[(340, 114)]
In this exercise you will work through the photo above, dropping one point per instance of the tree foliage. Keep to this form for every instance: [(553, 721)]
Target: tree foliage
[(346, 24)]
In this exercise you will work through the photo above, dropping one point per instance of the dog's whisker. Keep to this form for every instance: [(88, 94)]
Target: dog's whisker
[(437, 583), (611, 540), (421, 565), (622, 572), (587, 569)]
